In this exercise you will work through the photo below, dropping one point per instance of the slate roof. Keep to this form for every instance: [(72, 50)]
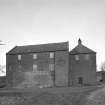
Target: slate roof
[(81, 49), (40, 48)]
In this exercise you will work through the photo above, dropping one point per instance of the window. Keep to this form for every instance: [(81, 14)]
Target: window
[(20, 66), (34, 56), (51, 54), (76, 57), (51, 67), (87, 57), (34, 67), (19, 57)]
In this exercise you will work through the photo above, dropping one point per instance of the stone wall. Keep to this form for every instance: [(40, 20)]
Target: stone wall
[(33, 79), (61, 68), (21, 73), (83, 68)]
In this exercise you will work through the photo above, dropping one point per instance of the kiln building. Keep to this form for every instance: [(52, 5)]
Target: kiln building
[(82, 65)]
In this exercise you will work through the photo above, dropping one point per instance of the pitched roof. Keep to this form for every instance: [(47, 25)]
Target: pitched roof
[(81, 49), (40, 48)]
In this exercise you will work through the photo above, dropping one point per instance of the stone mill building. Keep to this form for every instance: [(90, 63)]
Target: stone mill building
[(50, 65), (44, 65)]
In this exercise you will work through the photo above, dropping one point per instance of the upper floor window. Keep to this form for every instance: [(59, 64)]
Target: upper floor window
[(51, 54), (34, 56), (19, 57), (34, 67), (87, 56), (76, 57)]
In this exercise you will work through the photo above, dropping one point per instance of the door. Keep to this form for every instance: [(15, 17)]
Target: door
[(80, 80)]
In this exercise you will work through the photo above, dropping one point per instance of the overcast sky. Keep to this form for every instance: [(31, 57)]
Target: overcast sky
[(27, 22)]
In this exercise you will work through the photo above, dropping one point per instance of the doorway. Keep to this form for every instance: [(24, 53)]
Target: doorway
[(80, 80)]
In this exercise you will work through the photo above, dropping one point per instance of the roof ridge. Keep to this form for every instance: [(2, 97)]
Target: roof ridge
[(43, 44), (40, 48), (80, 48)]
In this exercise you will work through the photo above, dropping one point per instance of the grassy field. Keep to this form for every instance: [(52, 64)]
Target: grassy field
[(46, 96)]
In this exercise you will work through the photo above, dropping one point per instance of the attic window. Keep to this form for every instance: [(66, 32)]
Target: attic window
[(87, 56), (29, 50), (19, 57), (76, 57)]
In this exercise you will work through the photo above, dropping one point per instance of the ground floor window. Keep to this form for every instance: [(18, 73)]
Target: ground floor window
[(51, 67), (34, 67)]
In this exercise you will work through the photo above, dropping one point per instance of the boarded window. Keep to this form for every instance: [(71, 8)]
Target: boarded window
[(87, 56), (51, 67), (35, 67), (76, 57), (51, 54), (19, 57), (34, 56)]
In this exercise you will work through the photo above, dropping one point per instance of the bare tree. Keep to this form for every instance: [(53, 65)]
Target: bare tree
[(102, 67), (1, 66)]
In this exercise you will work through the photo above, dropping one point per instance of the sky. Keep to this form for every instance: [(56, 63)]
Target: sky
[(28, 22)]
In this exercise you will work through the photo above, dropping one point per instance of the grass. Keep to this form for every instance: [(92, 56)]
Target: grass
[(45, 96)]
